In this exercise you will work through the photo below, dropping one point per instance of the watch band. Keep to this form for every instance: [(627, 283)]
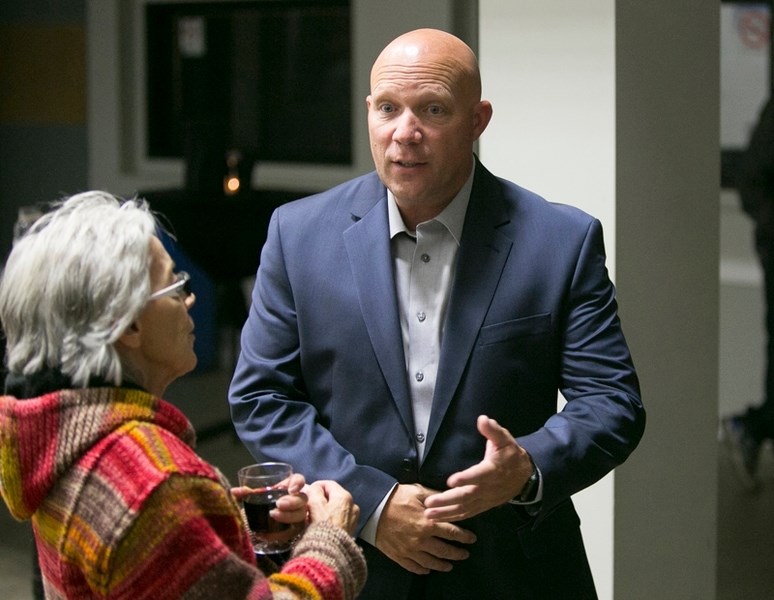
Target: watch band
[(529, 490)]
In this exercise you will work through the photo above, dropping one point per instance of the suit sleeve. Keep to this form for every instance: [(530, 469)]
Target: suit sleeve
[(270, 404), (603, 419)]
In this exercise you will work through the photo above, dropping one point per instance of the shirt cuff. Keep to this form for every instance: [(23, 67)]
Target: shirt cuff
[(368, 533)]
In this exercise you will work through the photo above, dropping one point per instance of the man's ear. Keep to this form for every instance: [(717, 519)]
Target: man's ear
[(482, 116), (131, 337)]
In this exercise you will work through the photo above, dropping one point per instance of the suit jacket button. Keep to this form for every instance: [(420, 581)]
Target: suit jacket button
[(407, 465)]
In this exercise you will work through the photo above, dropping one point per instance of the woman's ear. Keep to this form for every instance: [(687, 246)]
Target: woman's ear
[(131, 337)]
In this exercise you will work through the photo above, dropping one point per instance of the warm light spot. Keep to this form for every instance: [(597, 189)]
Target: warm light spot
[(231, 185)]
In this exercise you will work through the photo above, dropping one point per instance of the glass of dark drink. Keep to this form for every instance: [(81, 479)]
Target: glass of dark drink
[(268, 481)]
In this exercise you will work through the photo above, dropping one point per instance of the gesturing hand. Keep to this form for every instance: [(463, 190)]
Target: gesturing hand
[(496, 479), (415, 542)]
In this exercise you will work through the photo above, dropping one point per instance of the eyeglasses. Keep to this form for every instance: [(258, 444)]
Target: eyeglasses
[(181, 287)]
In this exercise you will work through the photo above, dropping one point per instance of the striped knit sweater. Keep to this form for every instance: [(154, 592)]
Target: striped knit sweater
[(122, 507)]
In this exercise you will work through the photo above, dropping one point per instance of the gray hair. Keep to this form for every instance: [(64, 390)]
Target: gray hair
[(73, 283)]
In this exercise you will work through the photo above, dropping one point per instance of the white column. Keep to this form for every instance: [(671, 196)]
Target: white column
[(613, 107)]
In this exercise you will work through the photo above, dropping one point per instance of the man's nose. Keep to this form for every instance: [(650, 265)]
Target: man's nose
[(407, 129)]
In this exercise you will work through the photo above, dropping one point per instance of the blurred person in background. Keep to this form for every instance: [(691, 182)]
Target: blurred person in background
[(745, 432)]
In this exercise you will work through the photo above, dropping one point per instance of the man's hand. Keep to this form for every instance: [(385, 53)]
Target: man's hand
[(492, 482), (415, 542)]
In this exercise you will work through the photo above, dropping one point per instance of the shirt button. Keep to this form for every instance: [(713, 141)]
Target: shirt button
[(421, 316), (425, 258), (419, 376), (420, 437)]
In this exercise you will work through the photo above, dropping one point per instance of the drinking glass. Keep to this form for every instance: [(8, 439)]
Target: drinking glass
[(268, 482)]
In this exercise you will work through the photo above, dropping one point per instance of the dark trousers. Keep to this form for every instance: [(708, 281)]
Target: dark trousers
[(760, 419)]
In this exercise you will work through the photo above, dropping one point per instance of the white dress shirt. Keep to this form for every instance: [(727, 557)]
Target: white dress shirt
[(423, 264)]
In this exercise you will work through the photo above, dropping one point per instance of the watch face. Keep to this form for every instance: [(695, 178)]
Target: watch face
[(530, 487)]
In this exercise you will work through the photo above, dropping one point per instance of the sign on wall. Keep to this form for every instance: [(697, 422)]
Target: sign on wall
[(745, 76)]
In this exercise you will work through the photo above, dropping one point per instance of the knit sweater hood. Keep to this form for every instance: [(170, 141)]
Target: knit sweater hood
[(42, 437)]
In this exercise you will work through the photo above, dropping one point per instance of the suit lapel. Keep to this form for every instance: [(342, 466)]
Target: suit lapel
[(483, 251), (368, 247)]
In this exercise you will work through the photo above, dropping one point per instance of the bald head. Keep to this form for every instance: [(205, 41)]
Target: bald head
[(440, 53), (424, 114)]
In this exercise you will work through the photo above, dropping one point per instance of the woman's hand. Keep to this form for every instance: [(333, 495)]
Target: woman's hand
[(291, 508), (328, 501)]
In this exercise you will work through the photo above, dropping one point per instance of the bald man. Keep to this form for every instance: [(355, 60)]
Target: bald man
[(409, 332)]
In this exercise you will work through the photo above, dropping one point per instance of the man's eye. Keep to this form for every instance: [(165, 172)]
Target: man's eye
[(435, 110), (387, 108)]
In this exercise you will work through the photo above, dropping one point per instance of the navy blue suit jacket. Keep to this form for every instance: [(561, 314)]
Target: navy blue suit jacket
[(321, 381)]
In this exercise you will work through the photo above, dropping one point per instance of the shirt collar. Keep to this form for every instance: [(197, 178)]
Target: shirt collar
[(452, 217)]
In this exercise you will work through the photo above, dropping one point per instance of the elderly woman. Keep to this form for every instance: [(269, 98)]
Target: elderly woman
[(97, 327)]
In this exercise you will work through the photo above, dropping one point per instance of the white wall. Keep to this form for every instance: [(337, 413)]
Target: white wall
[(553, 131)]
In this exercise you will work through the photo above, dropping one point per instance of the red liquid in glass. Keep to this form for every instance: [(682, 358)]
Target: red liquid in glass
[(257, 507)]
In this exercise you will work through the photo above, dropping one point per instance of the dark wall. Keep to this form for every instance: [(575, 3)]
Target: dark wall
[(43, 141), (43, 153)]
